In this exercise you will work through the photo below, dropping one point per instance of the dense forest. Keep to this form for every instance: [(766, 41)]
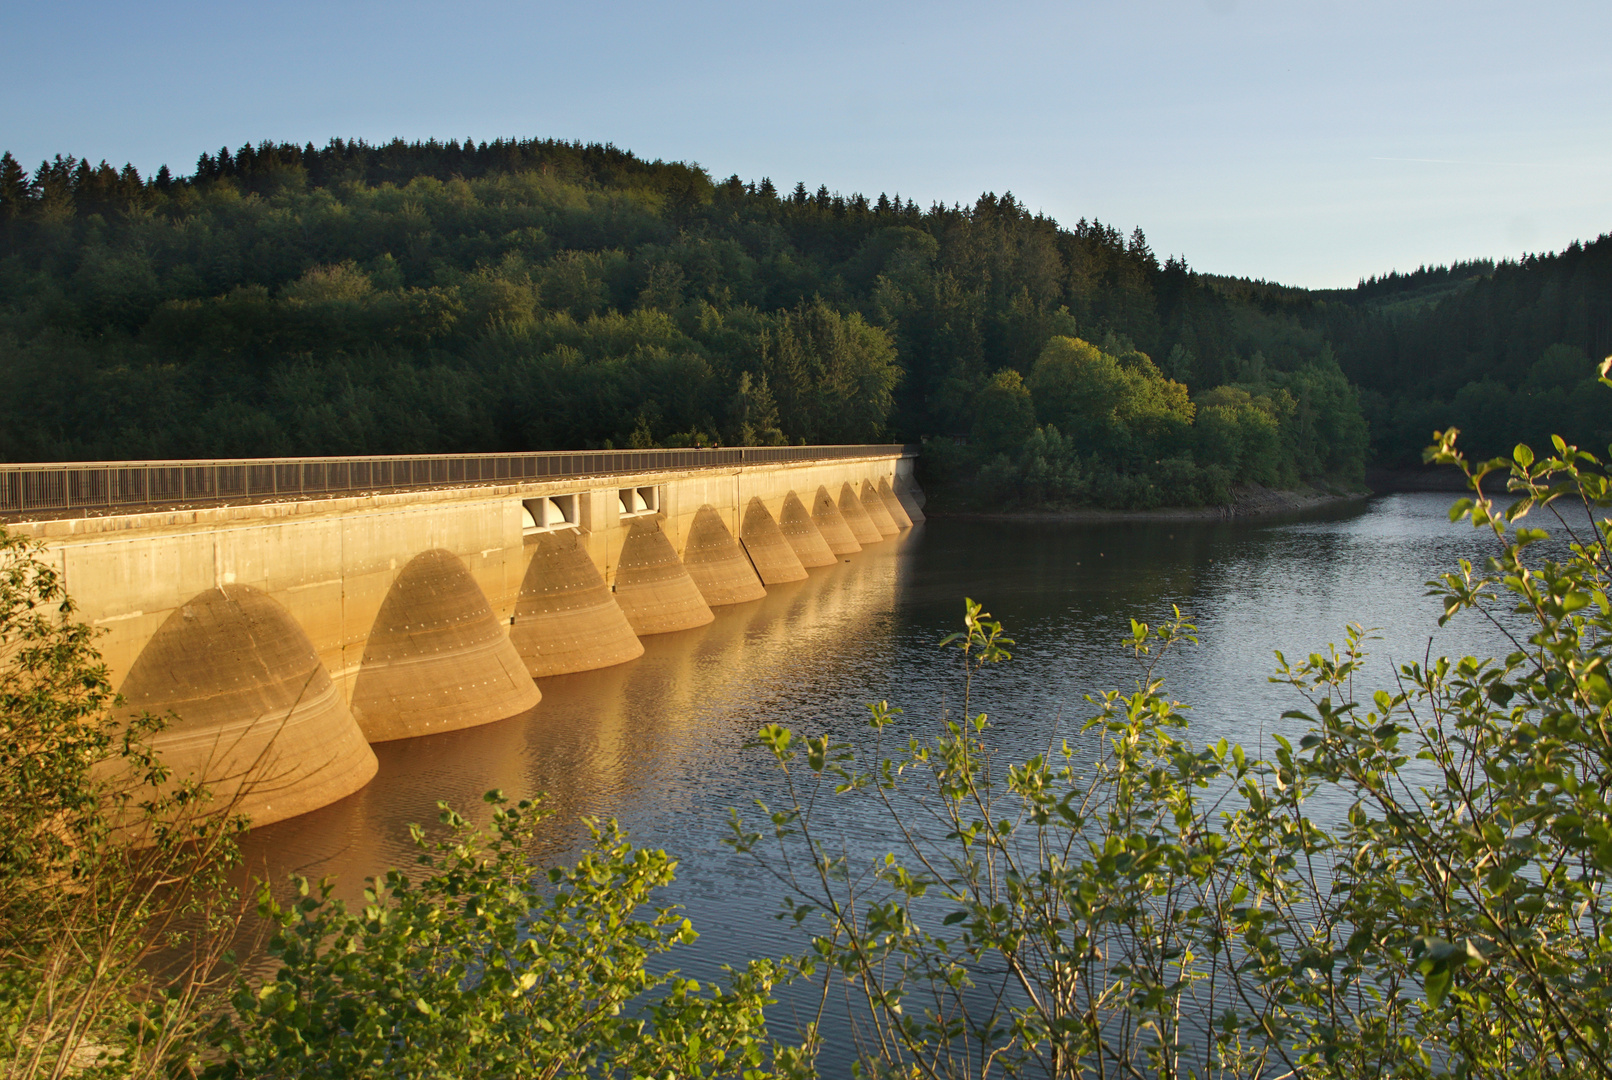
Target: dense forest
[(448, 296), (1506, 352), (439, 297)]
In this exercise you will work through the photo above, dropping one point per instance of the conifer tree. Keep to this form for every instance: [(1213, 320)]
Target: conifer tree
[(16, 190)]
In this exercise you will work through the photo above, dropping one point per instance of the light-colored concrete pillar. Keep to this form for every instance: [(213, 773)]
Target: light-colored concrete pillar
[(256, 714), (769, 550), (910, 495), (862, 526), (653, 587), (873, 506), (832, 524), (565, 617), (436, 658), (720, 568), (798, 527), (892, 505)]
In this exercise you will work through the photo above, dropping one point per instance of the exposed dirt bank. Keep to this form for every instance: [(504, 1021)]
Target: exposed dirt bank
[(1251, 501)]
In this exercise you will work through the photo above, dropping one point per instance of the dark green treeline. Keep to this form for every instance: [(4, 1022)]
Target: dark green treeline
[(1505, 351), (440, 297)]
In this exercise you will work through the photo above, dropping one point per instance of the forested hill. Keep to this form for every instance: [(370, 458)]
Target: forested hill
[(1506, 352), (419, 297)]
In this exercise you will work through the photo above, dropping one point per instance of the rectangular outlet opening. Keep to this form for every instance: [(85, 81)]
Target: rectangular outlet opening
[(549, 513), (638, 501)]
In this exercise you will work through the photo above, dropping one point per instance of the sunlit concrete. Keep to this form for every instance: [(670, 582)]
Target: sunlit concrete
[(286, 635)]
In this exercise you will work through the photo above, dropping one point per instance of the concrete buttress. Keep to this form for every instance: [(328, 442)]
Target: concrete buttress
[(437, 658), (769, 550), (811, 547), (257, 716), (910, 494), (832, 524), (874, 507), (862, 526), (565, 617), (717, 563), (898, 513), (653, 587)]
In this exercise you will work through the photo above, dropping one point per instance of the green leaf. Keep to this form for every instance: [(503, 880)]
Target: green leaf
[(1437, 984)]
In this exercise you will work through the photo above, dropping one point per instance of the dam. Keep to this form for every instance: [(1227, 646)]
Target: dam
[(287, 614)]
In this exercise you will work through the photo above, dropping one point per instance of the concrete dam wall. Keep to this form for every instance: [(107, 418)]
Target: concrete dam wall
[(285, 637)]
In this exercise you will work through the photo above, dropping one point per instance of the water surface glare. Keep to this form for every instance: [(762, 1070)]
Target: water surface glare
[(661, 743)]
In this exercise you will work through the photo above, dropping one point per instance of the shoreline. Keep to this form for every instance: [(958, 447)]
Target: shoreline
[(1247, 503)]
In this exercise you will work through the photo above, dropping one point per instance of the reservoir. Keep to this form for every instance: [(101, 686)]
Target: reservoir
[(662, 743)]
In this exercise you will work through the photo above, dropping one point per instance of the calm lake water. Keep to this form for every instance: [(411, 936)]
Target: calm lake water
[(661, 743)]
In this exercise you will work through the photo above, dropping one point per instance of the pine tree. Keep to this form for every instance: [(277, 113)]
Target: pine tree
[(1139, 250), (53, 183), (16, 190)]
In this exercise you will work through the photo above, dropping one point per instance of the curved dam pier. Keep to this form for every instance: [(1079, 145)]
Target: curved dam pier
[(285, 637), (565, 618), (437, 659), (253, 710), (833, 527), (768, 548)]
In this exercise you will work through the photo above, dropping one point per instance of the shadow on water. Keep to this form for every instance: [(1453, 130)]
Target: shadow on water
[(661, 743)]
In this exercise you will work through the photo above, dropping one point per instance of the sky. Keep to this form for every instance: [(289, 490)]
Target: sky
[(1307, 143)]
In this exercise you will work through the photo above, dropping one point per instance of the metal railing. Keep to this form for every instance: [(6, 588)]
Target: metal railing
[(105, 485)]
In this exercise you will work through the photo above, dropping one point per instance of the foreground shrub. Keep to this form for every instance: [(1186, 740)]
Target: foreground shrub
[(107, 864), (475, 970), (1131, 904)]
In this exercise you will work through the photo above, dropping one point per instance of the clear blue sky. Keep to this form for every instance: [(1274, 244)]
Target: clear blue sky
[(1310, 143)]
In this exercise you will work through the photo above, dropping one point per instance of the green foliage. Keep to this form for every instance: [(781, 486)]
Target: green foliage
[(1117, 407), (1128, 903), (443, 297), (1491, 347), (106, 861), (1113, 431), (476, 970), (1242, 432), (1004, 414), (754, 413), (832, 374)]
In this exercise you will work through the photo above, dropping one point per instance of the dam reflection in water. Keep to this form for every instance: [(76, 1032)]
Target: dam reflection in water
[(660, 742), (656, 742)]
